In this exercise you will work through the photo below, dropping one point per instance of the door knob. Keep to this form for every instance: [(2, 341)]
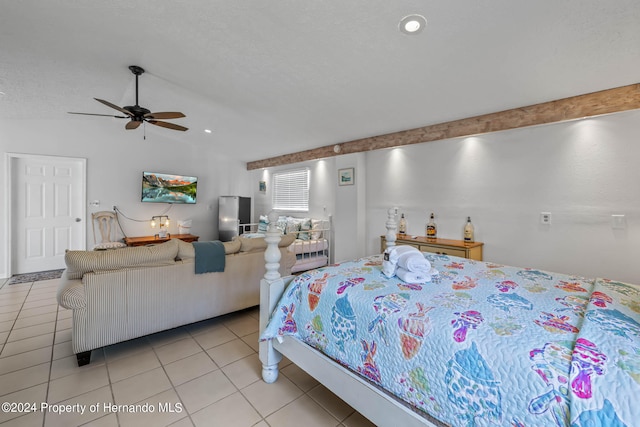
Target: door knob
[(78, 220)]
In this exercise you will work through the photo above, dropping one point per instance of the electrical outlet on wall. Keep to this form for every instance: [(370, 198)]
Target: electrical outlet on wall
[(545, 218)]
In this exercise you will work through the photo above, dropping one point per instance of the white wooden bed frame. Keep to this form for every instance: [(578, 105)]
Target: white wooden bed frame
[(375, 404)]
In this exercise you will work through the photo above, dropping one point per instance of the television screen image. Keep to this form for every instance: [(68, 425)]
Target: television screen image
[(167, 188)]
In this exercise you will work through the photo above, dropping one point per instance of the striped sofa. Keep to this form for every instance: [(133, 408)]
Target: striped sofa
[(121, 294)]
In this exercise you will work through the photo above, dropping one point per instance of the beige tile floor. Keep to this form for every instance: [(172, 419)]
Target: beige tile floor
[(204, 374)]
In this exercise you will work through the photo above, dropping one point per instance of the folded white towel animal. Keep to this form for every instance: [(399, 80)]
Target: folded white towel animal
[(414, 261), (415, 277), (394, 255), (390, 261), (389, 268), (395, 252)]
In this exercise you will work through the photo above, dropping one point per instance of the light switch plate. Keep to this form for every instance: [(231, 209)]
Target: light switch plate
[(545, 218)]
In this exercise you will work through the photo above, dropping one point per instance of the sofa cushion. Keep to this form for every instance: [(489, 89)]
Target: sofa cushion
[(81, 262), (71, 293), (186, 251), (287, 240), (259, 244), (252, 244), (232, 247)]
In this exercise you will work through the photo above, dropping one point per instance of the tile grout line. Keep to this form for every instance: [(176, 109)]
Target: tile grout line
[(239, 390), (11, 330), (173, 387), (113, 397), (6, 340), (184, 333), (190, 334), (55, 331)]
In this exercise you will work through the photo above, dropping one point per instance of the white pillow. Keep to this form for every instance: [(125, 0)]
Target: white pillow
[(316, 224)]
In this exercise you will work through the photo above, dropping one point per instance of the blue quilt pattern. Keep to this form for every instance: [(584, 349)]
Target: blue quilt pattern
[(482, 344)]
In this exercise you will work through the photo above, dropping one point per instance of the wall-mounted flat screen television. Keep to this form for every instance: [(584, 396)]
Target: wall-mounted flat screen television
[(168, 188)]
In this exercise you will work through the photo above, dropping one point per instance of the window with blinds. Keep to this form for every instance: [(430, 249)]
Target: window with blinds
[(291, 190)]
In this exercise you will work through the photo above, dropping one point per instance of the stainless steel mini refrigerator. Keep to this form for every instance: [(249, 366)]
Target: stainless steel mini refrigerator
[(233, 211)]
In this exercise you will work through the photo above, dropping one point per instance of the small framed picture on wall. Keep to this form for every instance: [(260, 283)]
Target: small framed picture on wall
[(346, 176), (262, 185)]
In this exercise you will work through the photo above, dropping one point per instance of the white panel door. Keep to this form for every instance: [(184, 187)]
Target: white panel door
[(48, 211)]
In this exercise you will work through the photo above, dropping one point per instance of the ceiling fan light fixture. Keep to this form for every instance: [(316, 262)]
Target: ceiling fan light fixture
[(412, 24), (138, 115)]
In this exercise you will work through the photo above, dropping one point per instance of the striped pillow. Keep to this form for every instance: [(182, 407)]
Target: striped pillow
[(81, 262)]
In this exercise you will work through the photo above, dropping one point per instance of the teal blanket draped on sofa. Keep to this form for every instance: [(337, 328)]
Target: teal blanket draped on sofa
[(209, 256)]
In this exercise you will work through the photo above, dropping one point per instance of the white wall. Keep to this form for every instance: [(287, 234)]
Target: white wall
[(345, 203), (581, 171), (350, 210), (321, 192), (115, 161)]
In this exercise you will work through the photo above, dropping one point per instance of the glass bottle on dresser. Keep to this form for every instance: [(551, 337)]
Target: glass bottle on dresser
[(468, 231), (431, 228), (402, 227)]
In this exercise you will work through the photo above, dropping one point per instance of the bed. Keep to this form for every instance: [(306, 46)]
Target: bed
[(311, 245), (481, 344)]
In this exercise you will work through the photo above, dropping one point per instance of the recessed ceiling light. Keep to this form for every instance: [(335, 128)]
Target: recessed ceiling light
[(412, 24), (207, 131)]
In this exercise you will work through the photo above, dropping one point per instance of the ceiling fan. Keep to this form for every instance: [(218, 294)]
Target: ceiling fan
[(138, 114)]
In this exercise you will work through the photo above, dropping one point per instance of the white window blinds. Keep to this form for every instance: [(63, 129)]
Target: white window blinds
[(291, 190)]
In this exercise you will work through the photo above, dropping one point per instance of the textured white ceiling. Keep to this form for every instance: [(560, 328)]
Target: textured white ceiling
[(275, 77)]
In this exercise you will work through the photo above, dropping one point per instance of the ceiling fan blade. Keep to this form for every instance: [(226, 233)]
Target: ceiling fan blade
[(92, 114), (168, 125), (133, 124), (165, 115), (115, 107)]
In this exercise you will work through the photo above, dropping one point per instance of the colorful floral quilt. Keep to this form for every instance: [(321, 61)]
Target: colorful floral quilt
[(482, 344)]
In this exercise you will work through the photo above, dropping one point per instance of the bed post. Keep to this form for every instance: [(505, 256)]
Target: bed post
[(392, 227), (271, 287)]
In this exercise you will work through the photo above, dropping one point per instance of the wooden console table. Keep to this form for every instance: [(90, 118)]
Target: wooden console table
[(439, 246), (150, 240)]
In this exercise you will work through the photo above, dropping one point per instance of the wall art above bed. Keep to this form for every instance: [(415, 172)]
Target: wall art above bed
[(346, 176)]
